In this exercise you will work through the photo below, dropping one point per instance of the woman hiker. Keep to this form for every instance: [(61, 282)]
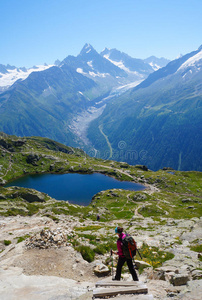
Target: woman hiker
[(122, 258)]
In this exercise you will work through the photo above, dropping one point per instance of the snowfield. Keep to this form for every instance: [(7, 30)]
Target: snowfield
[(191, 61), (121, 65), (12, 76)]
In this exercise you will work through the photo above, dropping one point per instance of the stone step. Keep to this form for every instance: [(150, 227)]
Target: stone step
[(132, 297), (119, 290), (118, 283)]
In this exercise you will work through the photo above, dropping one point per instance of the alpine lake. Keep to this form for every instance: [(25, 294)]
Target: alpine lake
[(73, 187)]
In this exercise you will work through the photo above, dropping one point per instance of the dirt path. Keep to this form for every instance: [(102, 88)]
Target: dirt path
[(150, 189), (107, 140), (63, 262), (10, 163), (137, 214)]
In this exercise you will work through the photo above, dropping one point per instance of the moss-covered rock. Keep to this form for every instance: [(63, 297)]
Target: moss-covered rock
[(30, 196)]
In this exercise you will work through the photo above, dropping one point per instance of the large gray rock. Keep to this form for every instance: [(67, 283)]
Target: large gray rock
[(101, 270), (32, 158), (30, 196), (194, 233), (7, 145), (165, 273), (142, 264), (179, 279), (196, 274)]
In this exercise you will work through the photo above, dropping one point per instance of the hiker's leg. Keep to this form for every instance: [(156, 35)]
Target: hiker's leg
[(121, 261), (132, 270)]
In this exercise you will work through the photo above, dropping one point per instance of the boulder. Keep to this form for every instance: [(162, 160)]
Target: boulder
[(141, 167), (18, 143), (30, 196), (114, 194), (186, 200), (139, 197), (196, 274), (142, 264), (32, 158), (51, 168), (169, 277), (2, 197), (5, 144), (101, 270), (165, 273), (179, 279)]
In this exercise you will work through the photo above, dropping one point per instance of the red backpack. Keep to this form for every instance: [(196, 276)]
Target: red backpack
[(129, 246)]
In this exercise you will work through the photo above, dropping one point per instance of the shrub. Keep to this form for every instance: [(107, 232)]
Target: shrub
[(86, 252), (100, 249), (22, 238), (7, 242), (197, 248)]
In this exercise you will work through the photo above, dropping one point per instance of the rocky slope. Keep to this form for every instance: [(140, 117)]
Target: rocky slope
[(61, 271)]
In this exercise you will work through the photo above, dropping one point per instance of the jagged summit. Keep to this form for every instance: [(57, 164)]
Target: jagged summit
[(87, 49), (127, 63), (105, 51), (114, 53)]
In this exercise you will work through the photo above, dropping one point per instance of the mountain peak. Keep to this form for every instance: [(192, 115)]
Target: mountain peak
[(87, 48)]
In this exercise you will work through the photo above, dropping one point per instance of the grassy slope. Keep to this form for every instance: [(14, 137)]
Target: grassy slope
[(163, 120), (48, 156)]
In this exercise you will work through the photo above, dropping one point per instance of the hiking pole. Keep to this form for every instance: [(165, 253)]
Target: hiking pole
[(139, 253), (112, 263)]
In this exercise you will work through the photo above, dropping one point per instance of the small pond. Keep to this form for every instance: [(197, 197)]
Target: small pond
[(76, 188)]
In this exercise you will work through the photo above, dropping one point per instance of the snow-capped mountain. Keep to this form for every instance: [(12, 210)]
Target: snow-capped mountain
[(193, 64), (160, 115), (190, 63), (156, 63), (110, 68), (90, 63), (132, 66), (43, 103), (10, 74)]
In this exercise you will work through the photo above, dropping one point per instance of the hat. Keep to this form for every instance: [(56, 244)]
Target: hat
[(118, 230)]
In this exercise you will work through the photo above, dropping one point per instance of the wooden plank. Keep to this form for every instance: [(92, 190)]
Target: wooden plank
[(104, 292), (118, 283)]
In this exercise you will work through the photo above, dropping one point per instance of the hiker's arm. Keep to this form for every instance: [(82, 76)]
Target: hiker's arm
[(115, 252)]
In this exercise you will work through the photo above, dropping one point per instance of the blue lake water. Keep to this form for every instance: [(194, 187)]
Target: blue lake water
[(76, 188)]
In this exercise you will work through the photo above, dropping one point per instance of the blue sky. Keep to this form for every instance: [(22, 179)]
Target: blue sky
[(38, 31)]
